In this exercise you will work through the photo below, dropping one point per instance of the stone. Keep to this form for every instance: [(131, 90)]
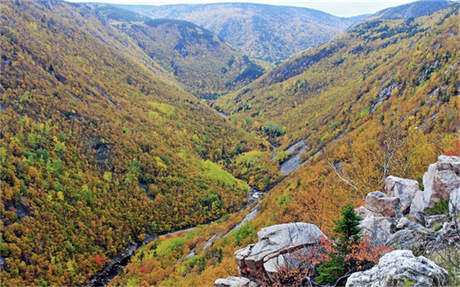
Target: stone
[(233, 281), (277, 246), (404, 189), (379, 229), (363, 212), (435, 220), (454, 201), (398, 268), (440, 181), (409, 235), (383, 205)]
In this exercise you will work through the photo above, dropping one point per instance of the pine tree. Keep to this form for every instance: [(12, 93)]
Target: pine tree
[(348, 229)]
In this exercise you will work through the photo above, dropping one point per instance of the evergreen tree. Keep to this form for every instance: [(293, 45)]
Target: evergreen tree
[(348, 229)]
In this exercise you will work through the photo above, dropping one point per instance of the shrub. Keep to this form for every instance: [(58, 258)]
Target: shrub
[(442, 207)]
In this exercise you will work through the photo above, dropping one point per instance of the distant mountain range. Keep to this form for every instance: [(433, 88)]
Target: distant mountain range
[(201, 61), (272, 33), (413, 10)]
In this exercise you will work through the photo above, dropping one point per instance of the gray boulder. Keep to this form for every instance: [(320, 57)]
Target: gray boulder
[(404, 189), (441, 181), (278, 246), (382, 205), (379, 229), (408, 235), (398, 268), (233, 281)]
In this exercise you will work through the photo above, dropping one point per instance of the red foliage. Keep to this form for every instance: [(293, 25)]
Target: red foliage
[(452, 153), (142, 269), (98, 259), (363, 256), (363, 253)]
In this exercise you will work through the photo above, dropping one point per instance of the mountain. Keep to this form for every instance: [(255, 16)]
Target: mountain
[(180, 47), (381, 99), (272, 33), (99, 149), (414, 9)]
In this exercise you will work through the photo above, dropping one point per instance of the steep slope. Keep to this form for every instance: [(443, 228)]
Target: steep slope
[(202, 62), (95, 150), (413, 10), (385, 101), (272, 33)]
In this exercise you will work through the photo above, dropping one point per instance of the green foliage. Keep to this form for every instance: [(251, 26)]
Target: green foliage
[(441, 207), (214, 172), (168, 246), (243, 232), (273, 129), (348, 229), (282, 156)]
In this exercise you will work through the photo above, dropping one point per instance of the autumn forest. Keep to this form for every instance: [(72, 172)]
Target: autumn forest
[(121, 129)]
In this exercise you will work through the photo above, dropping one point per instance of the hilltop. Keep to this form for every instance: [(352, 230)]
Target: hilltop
[(271, 33)]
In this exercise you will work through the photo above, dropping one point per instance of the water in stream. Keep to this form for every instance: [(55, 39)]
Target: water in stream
[(294, 161)]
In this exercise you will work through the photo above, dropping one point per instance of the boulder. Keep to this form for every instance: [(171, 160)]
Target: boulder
[(278, 246), (233, 281), (399, 268), (363, 212), (404, 189), (379, 229), (441, 181), (408, 235), (435, 220), (382, 205)]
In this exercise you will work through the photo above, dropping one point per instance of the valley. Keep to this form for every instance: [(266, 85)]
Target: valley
[(144, 145)]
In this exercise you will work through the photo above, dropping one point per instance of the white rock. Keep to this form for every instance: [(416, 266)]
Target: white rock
[(400, 266), (404, 189), (379, 229), (233, 281), (382, 205), (274, 248), (441, 181)]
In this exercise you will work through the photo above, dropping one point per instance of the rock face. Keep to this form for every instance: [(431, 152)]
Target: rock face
[(380, 204), (441, 181), (233, 281), (278, 246), (404, 189), (400, 266), (379, 229)]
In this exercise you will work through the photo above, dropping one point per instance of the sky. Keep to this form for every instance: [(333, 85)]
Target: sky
[(344, 8)]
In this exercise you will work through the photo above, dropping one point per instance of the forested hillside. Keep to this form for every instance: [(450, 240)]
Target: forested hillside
[(414, 9), (202, 62), (382, 99), (97, 151), (272, 33)]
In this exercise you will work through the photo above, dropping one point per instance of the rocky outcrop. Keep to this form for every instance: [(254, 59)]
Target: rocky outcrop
[(408, 235), (441, 181), (278, 246), (233, 281), (379, 229), (383, 205), (398, 268), (404, 189), (394, 219)]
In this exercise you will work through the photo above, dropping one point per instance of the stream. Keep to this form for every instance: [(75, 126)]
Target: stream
[(119, 262)]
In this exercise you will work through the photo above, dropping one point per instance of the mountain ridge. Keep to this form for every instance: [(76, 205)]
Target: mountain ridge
[(234, 22)]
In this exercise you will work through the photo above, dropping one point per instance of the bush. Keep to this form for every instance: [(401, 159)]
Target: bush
[(273, 129), (441, 207)]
